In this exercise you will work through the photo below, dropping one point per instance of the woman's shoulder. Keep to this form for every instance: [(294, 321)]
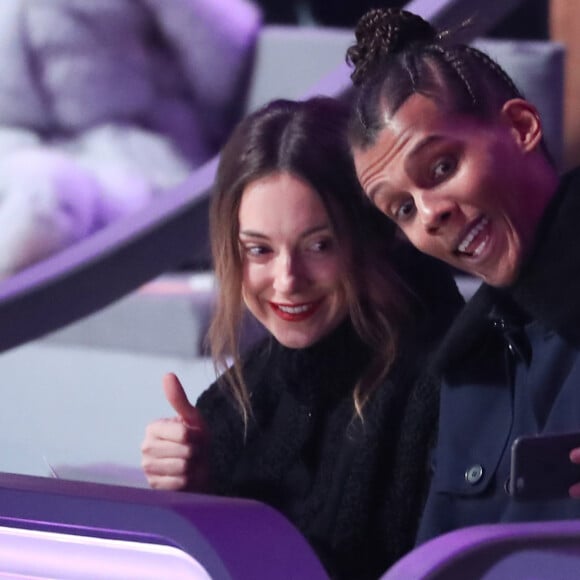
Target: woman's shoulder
[(257, 368)]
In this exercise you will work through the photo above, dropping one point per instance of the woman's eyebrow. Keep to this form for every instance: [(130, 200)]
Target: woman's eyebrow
[(312, 230), (253, 234), (315, 230)]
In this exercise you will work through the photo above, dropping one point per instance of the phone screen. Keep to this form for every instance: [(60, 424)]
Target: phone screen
[(541, 466)]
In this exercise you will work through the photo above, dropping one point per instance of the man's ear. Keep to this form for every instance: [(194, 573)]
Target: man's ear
[(524, 122)]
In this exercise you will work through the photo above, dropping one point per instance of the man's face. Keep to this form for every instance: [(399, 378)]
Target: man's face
[(456, 186)]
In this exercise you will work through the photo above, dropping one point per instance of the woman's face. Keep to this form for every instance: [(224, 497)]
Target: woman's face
[(293, 268), (458, 188)]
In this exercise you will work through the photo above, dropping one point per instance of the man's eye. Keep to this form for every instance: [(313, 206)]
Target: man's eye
[(443, 168), (404, 210)]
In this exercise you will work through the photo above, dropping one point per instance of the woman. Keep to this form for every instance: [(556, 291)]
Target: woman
[(445, 145), (324, 419)]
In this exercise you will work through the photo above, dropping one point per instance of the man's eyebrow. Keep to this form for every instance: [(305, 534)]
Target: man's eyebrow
[(417, 149), (374, 191), (423, 144)]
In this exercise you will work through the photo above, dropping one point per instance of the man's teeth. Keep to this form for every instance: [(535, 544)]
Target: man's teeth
[(471, 236), (295, 309), (479, 248)]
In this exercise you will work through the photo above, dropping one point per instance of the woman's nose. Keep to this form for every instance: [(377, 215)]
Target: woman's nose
[(288, 274)]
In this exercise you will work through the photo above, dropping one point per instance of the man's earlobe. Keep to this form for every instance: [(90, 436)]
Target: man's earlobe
[(524, 122)]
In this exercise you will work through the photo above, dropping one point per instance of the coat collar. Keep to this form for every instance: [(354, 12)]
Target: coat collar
[(548, 289)]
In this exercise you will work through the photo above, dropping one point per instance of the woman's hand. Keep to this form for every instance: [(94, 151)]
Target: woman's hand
[(174, 453)]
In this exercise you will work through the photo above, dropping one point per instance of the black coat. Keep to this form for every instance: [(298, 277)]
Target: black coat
[(354, 489), (511, 366)]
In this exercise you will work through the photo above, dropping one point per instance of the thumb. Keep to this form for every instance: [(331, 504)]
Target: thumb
[(177, 398)]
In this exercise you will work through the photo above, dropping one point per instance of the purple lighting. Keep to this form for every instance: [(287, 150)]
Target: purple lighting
[(43, 555)]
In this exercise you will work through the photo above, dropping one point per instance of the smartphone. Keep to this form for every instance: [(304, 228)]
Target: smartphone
[(541, 467)]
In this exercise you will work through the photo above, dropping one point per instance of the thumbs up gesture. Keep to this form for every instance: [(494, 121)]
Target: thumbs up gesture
[(174, 453)]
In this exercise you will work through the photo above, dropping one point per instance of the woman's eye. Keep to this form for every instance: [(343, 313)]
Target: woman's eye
[(322, 245), (256, 251), (442, 168)]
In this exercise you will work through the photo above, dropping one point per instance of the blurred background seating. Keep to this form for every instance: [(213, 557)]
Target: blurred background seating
[(105, 105)]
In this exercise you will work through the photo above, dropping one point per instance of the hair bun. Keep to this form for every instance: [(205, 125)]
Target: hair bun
[(382, 32)]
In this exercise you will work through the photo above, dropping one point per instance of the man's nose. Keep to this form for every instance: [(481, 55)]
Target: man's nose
[(434, 211)]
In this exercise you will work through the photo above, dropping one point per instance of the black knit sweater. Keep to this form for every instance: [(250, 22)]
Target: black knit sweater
[(355, 490)]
